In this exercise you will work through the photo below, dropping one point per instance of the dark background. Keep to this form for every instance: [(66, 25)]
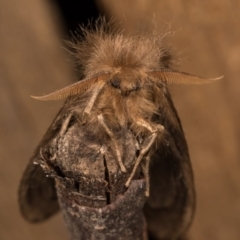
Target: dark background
[(32, 61)]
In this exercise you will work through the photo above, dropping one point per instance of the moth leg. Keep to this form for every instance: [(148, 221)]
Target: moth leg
[(111, 135), (93, 98), (146, 148), (62, 130), (65, 124), (145, 168)]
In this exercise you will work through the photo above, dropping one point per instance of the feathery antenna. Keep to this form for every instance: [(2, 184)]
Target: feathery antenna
[(172, 76), (73, 89)]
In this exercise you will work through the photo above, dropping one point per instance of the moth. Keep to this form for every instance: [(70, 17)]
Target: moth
[(125, 86)]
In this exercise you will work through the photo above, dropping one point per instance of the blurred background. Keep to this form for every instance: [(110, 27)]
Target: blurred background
[(32, 62)]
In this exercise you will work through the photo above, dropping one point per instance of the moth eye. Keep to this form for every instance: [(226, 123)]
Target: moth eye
[(115, 82)]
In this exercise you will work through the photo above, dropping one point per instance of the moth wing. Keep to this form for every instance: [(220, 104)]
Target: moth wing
[(37, 194), (170, 207)]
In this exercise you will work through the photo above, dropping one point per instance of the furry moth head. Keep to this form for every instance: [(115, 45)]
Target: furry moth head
[(106, 53)]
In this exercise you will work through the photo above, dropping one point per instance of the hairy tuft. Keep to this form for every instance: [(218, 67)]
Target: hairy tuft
[(107, 49)]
